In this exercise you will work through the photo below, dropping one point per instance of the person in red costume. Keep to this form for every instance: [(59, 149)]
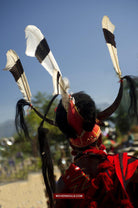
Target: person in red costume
[(104, 180)]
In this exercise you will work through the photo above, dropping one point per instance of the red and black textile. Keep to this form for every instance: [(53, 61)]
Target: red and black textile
[(108, 188), (125, 167)]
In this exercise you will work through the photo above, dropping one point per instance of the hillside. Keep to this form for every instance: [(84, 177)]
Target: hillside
[(7, 129)]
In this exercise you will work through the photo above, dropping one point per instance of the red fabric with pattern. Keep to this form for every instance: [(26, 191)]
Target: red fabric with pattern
[(77, 181), (87, 138), (84, 138), (74, 118), (125, 166)]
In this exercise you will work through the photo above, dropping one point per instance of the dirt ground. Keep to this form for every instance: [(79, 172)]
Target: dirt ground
[(25, 194)]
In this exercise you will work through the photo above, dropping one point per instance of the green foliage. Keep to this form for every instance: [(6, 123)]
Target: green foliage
[(122, 120), (21, 144), (125, 119), (40, 102)]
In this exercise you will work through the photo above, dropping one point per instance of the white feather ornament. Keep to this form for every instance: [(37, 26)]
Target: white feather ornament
[(15, 67), (108, 29), (33, 37), (37, 46)]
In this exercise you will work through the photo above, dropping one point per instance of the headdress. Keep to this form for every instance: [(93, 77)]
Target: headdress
[(37, 46)]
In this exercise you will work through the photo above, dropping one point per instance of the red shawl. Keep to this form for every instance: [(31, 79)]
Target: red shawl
[(108, 188)]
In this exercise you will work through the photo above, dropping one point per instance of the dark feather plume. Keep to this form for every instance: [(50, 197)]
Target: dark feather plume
[(19, 117)]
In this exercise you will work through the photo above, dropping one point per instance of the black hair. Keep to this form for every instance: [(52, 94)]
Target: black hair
[(85, 106)]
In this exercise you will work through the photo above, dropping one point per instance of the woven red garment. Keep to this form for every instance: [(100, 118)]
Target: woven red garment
[(76, 179), (87, 138), (74, 118), (125, 166), (110, 174)]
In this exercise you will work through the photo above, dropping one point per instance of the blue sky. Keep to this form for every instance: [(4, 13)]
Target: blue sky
[(73, 31)]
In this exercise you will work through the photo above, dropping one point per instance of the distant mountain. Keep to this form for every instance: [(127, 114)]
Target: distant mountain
[(7, 129)]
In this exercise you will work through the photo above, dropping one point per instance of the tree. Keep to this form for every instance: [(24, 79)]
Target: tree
[(40, 101), (122, 120), (125, 118)]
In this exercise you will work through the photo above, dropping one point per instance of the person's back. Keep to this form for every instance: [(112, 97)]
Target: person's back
[(97, 178), (102, 178), (89, 167)]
